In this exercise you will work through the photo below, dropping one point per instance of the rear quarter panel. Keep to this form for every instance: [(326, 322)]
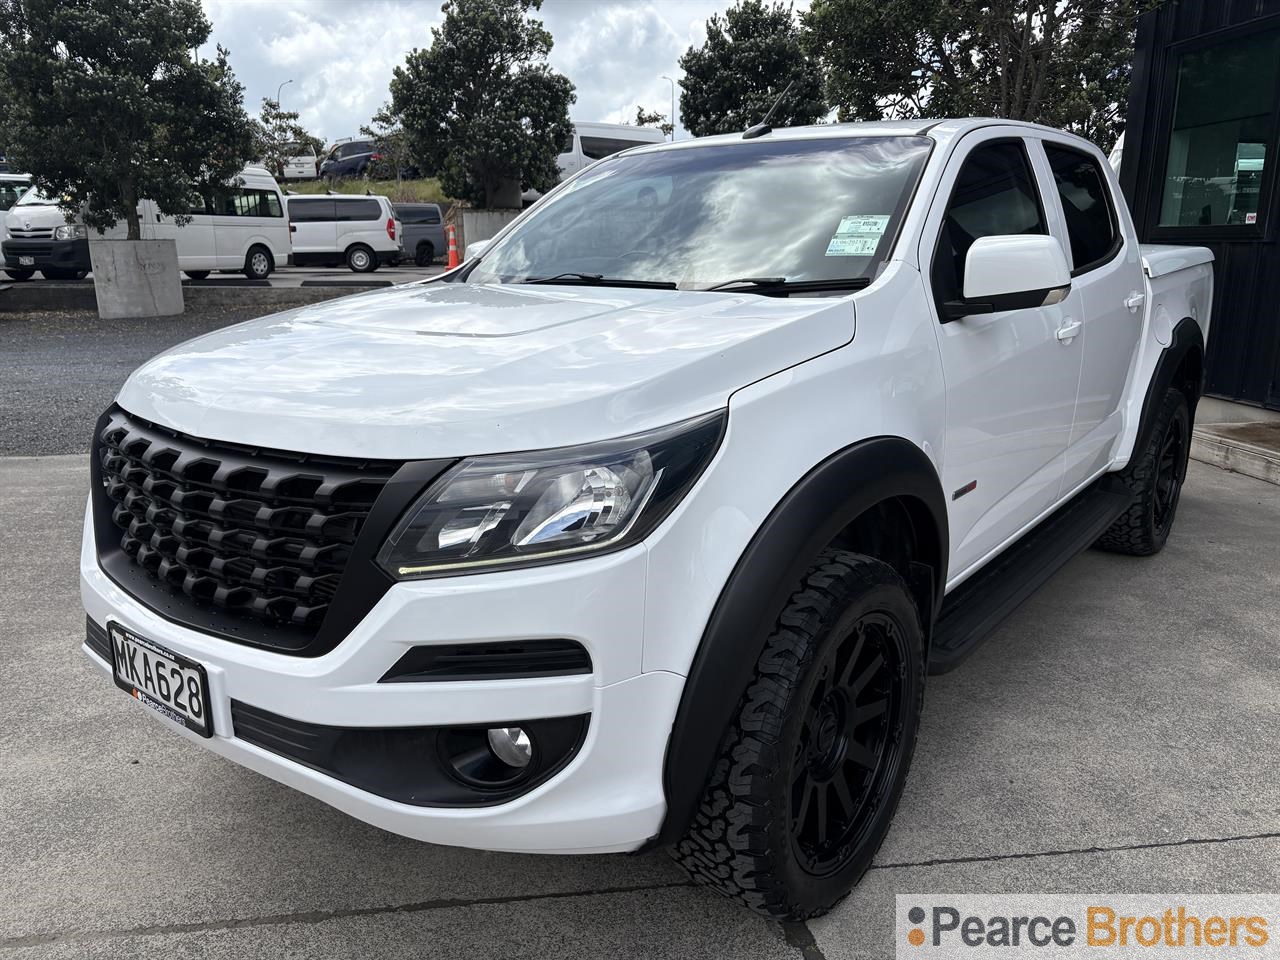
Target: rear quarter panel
[(1179, 284)]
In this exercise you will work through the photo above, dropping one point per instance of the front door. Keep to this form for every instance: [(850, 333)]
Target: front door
[(1011, 380)]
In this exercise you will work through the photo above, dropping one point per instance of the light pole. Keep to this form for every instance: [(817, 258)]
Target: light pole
[(673, 105), (278, 89)]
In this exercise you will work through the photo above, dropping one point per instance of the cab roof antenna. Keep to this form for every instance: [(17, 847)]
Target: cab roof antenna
[(761, 128)]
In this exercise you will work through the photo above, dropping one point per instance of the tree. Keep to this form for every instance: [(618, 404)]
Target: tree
[(387, 131), (105, 105), (278, 134), (749, 57), (651, 118), (481, 107), (1061, 62)]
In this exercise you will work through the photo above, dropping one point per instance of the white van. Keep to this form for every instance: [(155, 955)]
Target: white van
[(300, 162), (238, 228), (595, 141), (361, 232)]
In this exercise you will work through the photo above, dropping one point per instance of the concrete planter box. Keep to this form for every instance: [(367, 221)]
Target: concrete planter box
[(136, 278)]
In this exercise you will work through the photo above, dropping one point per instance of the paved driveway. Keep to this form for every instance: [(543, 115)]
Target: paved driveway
[(1117, 734)]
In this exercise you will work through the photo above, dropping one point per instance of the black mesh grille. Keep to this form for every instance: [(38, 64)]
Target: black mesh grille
[(259, 535)]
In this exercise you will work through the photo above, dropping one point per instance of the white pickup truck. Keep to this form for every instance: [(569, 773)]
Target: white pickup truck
[(645, 526)]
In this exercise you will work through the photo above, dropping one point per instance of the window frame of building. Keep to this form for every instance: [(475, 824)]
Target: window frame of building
[(1265, 228)]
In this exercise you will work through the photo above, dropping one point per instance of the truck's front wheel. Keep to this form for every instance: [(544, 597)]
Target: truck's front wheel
[(1155, 476), (813, 764)]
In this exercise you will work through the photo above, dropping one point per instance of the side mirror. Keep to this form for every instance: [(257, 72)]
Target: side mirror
[(1011, 273), (476, 247)]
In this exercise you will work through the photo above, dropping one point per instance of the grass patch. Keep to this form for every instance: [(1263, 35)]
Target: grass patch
[(406, 191)]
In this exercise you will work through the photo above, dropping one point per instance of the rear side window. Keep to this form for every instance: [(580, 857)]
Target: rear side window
[(355, 148), (597, 148), (362, 209), (310, 211), (247, 202), (995, 195), (1086, 205), (424, 214)]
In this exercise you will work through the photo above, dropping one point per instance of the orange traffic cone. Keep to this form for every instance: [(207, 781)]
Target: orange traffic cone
[(453, 248)]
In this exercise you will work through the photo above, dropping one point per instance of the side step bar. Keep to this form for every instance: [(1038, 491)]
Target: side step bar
[(976, 607)]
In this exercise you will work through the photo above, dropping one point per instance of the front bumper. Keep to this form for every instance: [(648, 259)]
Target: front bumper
[(608, 798), (57, 254)]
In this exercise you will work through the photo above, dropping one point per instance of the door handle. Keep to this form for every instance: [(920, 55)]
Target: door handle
[(1067, 332), (1134, 301)]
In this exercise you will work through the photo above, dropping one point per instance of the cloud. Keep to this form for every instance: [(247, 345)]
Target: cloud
[(339, 56)]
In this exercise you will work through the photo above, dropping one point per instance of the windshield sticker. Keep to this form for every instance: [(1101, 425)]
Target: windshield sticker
[(874, 226), (857, 236)]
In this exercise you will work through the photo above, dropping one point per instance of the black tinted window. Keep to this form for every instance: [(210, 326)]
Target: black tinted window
[(1086, 205), (357, 210), (246, 203), (995, 195), (597, 148), (310, 211), (355, 148), (428, 213)]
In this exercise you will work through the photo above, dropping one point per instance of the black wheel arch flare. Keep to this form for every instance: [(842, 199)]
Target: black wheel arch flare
[(812, 514), (1187, 343)]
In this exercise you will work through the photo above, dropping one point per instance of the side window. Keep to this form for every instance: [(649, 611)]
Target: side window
[(1086, 205), (310, 211), (995, 195), (357, 210), (257, 203)]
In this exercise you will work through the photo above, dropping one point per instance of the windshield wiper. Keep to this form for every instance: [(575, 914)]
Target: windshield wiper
[(600, 280), (782, 284)]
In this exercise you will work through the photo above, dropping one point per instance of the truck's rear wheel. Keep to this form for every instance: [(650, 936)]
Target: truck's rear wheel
[(1155, 475), (258, 263), (813, 764)]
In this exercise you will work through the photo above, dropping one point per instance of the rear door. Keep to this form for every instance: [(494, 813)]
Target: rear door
[(1010, 381), (1107, 275), (314, 230)]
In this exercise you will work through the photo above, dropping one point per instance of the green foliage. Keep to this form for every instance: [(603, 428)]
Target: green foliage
[(652, 118), (275, 131), (105, 105), (481, 108), (1065, 63), (750, 55), (387, 132)]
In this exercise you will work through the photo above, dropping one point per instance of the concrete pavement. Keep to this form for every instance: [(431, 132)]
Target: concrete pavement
[(1117, 734)]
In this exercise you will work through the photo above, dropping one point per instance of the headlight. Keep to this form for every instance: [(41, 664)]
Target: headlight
[(523, 508), (72, 231)]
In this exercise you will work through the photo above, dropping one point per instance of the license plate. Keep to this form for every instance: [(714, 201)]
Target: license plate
[(26, 261), (167, 682)]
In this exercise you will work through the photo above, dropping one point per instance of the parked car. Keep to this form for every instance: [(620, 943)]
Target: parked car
[(595, 141), (423, 226), (348, 159), (634, 530), (590, 142), (361, 232), (240, 228), (12, 187), (301, 162)]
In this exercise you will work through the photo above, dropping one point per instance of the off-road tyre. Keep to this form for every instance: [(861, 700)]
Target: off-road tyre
[(746, 840), (1155, 475), (425, 255)]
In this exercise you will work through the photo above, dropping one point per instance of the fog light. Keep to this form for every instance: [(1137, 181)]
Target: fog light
[(511, 745)]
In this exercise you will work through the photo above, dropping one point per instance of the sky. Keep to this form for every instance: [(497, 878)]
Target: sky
[(339, 54)]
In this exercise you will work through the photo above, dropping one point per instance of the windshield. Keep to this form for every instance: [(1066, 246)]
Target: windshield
[(34, 198), (794, 210), (10, 192)]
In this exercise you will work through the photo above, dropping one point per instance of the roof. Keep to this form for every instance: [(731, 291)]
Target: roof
[(943, 130)]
